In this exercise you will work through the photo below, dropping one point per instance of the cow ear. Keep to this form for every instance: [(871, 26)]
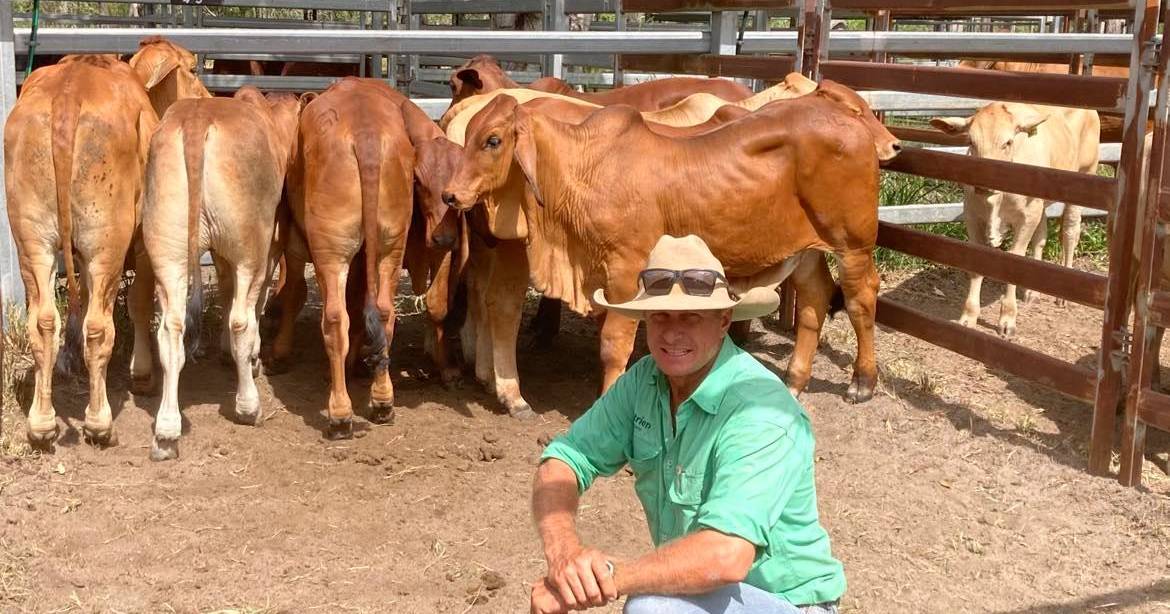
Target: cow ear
[(470, 76), (952, 125), (305, 98), (1027, 121), (525, 149), (154, 74)]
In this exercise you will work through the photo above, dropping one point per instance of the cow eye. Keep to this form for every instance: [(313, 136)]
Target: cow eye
[(492, 142)]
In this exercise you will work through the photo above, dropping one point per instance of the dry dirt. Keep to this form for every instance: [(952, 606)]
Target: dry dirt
[(956, 489)]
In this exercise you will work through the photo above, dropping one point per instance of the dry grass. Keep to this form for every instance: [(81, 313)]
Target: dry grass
[(16, 366), (14, 581)]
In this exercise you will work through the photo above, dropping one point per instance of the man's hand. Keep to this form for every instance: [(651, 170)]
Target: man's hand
[(545, 599), (581, 578)]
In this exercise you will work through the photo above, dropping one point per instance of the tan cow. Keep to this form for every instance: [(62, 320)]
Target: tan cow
[(590, 216), (483, 74), (213, 182), (168, 72), (74, 149), (1055, 137)]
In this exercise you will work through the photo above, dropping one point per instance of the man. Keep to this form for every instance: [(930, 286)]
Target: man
[(723, 460)]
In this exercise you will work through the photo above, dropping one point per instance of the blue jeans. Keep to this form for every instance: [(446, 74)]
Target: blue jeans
[(731, 599)]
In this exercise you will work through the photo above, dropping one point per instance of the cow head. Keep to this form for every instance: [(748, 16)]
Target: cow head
[(476, 76), (167, 71), (996, 130), (486, 172), (887, 144), (434, 166)]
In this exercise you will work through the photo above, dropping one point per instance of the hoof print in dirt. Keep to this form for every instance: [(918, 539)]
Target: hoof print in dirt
[(493, 580), (489, 453)]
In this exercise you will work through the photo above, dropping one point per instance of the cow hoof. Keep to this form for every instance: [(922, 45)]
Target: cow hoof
[(43, 438), (451, 377), (101, 437), (521, 411), (859, 391), (1007, 330), (382, 412), (248, 412), (340, 429), (142, 385), (164, 449)]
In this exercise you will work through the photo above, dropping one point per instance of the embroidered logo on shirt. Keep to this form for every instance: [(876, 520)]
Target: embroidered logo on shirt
[(641, 422)]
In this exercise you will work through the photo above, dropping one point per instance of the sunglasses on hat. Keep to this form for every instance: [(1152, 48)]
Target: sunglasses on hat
[(695, 282)]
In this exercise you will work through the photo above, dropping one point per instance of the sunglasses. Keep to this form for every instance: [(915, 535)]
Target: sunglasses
[(695, 282)]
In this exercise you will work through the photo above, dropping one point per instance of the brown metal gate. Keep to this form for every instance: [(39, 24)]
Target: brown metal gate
[(1145, 405)]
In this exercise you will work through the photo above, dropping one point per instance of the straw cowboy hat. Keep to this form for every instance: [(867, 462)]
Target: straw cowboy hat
[(676, 254)]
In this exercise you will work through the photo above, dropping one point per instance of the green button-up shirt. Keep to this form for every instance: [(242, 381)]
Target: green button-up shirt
[(740, 461)]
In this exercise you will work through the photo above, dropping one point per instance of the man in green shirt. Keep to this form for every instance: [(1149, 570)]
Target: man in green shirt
[(722, 456)]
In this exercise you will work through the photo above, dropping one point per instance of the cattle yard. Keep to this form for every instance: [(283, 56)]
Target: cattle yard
[(970, 482)]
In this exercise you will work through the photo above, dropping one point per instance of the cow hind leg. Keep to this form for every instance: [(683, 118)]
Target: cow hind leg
[(226, 286), (171, 283), (379, 319), (859, 282), (814, 288), (438, 302), (335, 330), (1070, 238), (244, 330), (102, 280), (44, 326), (141, 304), (287, 304)]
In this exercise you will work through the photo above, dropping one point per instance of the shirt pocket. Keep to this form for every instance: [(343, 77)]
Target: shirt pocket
[(644, 454), (686, 495)]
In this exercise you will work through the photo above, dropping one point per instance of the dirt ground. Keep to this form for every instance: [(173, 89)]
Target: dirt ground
[(956, 489)]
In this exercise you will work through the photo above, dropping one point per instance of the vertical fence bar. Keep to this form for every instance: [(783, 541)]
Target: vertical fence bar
[(11, 287), (619, 24), (555, 20), (1115, 332)]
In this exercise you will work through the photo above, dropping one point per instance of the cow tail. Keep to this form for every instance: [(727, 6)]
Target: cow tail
[(367, 150), (194, 139), (65, 114)]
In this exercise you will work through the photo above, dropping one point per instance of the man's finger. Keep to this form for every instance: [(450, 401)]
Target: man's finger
[(587, 574), (578, 590), (564, 585), (605, 580)]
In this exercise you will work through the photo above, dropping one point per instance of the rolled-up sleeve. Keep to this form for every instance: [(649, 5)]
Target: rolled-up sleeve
[(758, 465), (597, 443)]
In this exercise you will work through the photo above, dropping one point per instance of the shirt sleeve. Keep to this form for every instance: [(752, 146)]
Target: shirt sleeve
[(758, 465), (597, 443)]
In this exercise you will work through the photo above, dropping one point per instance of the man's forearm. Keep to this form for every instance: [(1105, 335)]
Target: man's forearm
[(554, 506), (697, 563)]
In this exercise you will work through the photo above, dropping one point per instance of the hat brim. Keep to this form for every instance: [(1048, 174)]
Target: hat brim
[(755, 303)]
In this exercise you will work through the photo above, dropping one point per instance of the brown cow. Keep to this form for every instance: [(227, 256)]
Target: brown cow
[(213, 181), (483, 74), (802, 168), (351, 188), (74, 149), (168, 72)]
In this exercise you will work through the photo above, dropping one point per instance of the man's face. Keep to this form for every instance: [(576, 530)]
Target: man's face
[(683, 342)]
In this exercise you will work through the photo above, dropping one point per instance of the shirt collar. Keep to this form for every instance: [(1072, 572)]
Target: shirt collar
[(709, 394)]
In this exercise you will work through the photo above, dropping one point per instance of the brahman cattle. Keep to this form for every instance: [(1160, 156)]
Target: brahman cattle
[(168, 72), (497, 288), (590, 220), (1055, 137), (483, 74), (214, 179), (351, 187), (74, 149)]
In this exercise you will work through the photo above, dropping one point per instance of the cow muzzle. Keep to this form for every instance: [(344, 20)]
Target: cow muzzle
[(458, 201)]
